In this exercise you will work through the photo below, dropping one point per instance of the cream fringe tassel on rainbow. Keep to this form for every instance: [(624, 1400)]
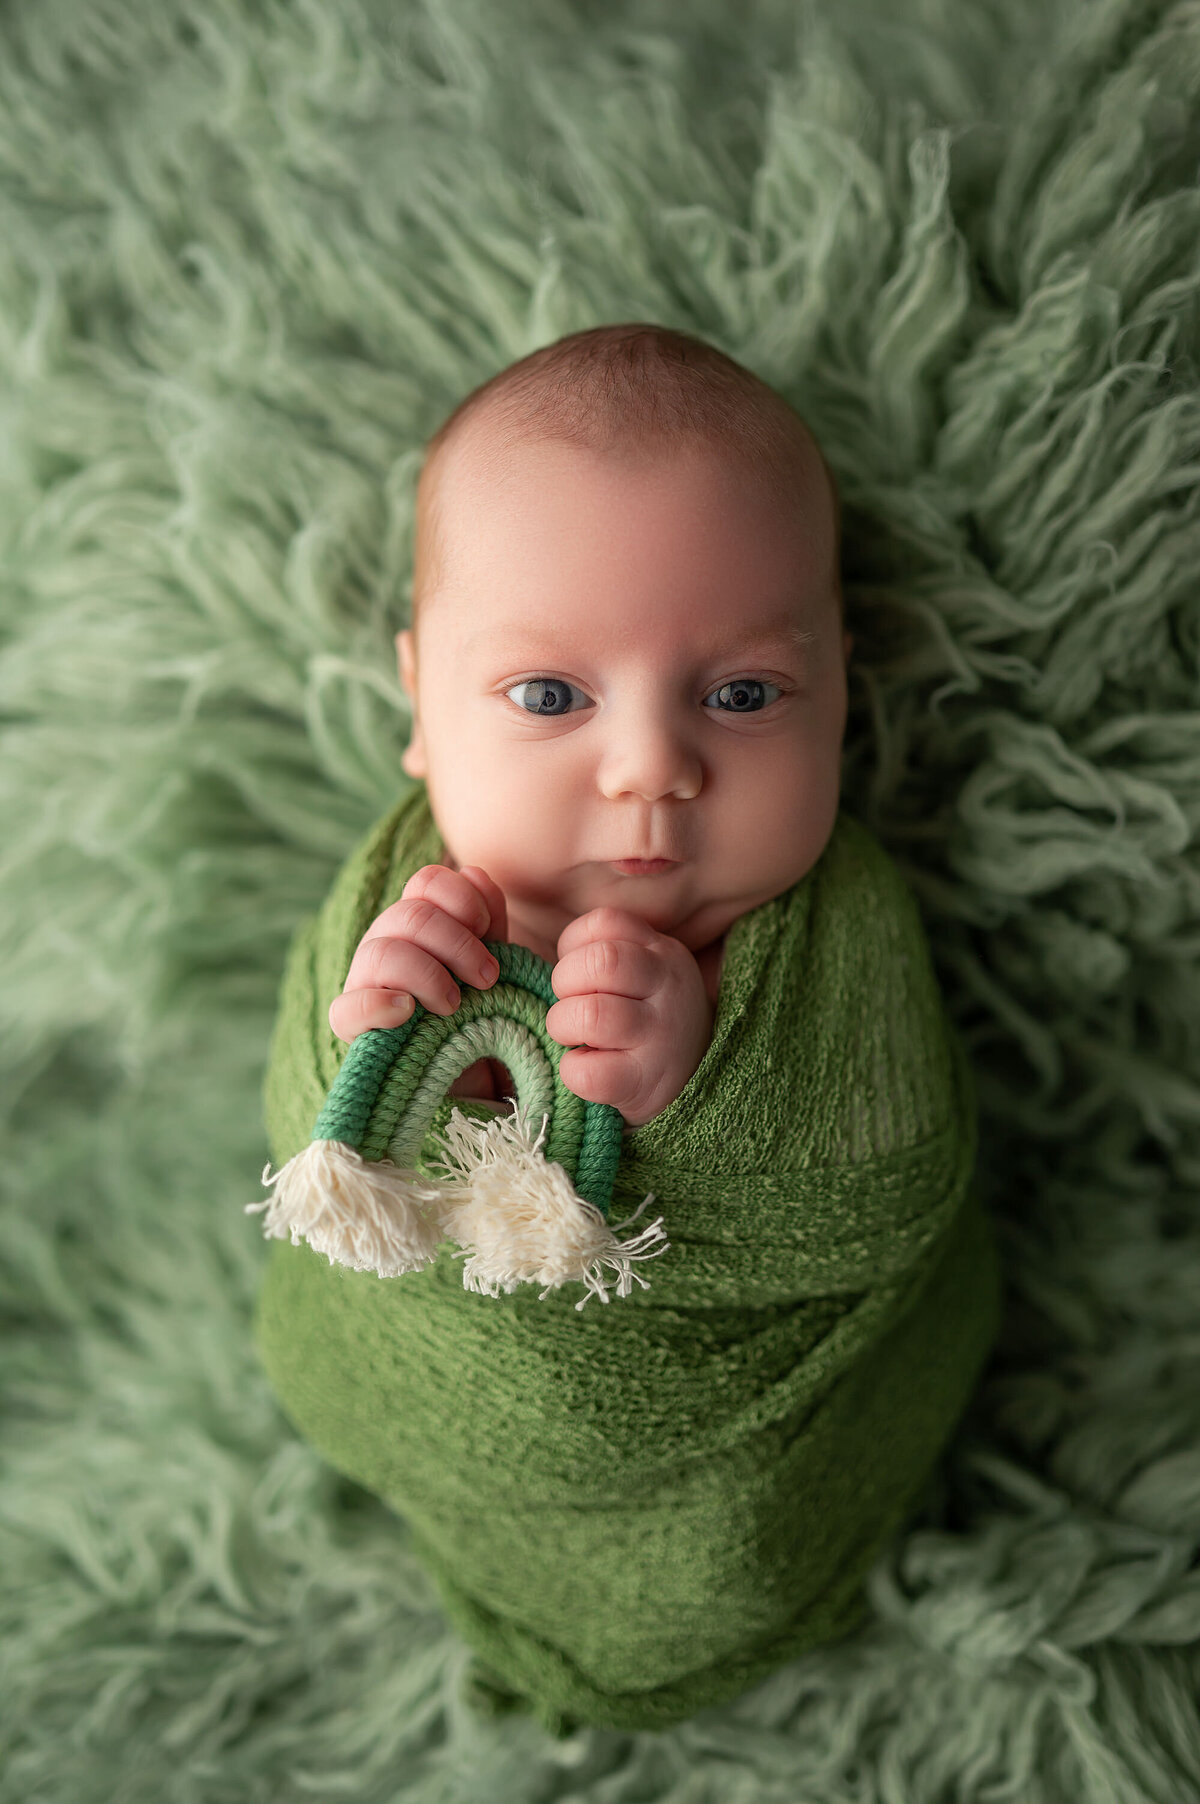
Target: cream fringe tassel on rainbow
[(522, 1210)]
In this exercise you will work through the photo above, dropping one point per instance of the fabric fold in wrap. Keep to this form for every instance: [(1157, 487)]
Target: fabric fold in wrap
[(634, 1513)]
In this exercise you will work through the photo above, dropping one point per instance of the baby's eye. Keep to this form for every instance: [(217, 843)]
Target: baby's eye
[(544, 695), (742, 696)]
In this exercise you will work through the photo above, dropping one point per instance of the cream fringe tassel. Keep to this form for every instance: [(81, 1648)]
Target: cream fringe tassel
[(516, 1215), (521, 1220), (364, 1213)]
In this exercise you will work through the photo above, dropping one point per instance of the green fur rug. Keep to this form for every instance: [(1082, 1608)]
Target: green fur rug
[(250, 257)]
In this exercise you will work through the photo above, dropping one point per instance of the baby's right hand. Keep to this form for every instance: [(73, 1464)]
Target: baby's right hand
[(437, 926)]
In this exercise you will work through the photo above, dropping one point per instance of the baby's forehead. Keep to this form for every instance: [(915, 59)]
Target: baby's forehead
[(470, 468), (488, 486)]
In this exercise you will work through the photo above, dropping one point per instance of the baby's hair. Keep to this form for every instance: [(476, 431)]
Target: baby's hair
[(637, 388)]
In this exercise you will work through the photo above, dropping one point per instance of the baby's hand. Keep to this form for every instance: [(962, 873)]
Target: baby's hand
[(440, 921), (634, 1010)]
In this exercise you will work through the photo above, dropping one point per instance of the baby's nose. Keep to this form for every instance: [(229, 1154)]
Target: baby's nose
[(651, 763)]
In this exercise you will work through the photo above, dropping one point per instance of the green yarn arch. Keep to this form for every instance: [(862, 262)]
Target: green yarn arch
[(391, 1086)]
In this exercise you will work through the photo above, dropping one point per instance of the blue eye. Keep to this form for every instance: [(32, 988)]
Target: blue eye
[(547, 695), (742, 696)]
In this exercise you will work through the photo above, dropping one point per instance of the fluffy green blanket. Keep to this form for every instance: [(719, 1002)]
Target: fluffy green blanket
[(637, 1511)]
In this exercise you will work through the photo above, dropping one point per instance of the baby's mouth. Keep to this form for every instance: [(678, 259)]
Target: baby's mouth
[(643, 867)]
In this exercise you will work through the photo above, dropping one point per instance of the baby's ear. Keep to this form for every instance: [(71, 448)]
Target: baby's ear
[(413, 758), (406, 662)]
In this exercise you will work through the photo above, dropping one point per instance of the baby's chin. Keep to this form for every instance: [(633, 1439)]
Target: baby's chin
[(537, 912), (664, 904), (538, 921)]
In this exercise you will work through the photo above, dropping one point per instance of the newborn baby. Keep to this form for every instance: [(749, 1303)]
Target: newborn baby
[(628, 667), (628, 676)]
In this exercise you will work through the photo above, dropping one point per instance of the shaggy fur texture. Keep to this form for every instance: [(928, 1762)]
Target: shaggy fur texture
[(249, 258)]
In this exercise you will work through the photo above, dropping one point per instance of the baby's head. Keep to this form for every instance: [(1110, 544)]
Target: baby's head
[(628, 637)]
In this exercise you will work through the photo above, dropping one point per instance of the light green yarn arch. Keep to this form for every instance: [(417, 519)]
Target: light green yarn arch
[(486, 1037)]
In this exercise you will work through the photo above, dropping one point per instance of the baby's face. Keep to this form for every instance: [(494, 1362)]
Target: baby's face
[(611, 668)]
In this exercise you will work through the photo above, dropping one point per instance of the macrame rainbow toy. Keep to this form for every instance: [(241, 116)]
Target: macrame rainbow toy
[(519, 1214)]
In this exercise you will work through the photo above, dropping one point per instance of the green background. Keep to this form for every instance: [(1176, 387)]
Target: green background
[(250, 256)]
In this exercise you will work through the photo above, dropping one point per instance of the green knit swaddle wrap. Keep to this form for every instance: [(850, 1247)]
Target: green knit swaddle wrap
[(633, 1513)]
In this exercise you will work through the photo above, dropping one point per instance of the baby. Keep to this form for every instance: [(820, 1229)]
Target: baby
[(628, 671), (627, 666)]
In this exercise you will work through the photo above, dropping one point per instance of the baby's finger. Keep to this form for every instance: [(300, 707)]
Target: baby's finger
[(607, 923), (354, 1011), (421, 922), (407, 963), (619, 967), (611, 1077), (615, 1023), (497, 927), (451, 891)]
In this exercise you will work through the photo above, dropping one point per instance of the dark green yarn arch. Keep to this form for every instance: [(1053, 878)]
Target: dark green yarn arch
[(392, 1081)]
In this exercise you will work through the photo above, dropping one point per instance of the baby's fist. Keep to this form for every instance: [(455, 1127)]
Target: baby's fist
[(416, 947), (632, 1008)]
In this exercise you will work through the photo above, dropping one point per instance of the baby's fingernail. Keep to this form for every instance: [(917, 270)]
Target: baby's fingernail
[(401, 1006), (490, 969)]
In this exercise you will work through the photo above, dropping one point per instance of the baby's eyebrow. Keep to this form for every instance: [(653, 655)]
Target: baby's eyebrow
[(785, 633), (533, 640)]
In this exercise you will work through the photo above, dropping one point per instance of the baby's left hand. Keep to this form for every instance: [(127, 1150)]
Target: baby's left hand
[(633, 1009)]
